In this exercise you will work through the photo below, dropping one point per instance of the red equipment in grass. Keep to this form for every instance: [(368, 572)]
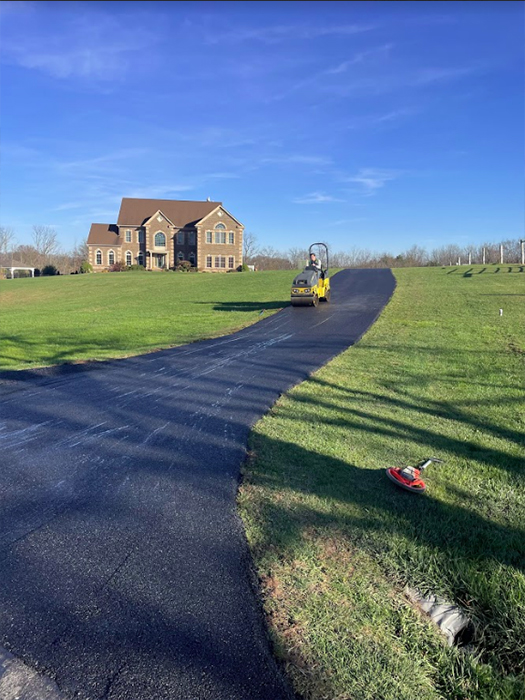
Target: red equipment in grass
[(409, 478)]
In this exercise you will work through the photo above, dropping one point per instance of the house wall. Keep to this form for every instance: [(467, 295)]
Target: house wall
[(134, 247), (218, 249), (201, 249), (153, 227), (105, 249)]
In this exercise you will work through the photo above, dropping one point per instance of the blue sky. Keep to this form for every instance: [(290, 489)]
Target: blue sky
[(373, 125)]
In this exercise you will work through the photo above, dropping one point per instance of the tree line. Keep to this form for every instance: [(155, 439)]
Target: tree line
[(267, 258), (44, 250)]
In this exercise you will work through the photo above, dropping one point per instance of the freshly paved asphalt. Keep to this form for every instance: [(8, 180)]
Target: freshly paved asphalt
[(124, 571)]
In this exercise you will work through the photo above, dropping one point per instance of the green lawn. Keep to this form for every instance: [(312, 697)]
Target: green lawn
[(334, 542), (50, 320)]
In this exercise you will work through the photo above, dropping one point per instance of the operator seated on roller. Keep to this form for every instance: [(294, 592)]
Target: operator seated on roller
[(316, 263)]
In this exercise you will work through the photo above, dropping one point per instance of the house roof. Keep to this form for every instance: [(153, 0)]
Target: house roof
[(103, 234), (135, 212)]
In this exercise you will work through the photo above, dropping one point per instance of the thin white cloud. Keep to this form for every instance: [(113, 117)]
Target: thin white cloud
[(297, 160), (373, 179), (324, 78), (222, 176), (104, 161), (360, 57), (316, 198), (385, 119), (285, 33), (86, 44), (427, 76), (68, 206), (157, 191)]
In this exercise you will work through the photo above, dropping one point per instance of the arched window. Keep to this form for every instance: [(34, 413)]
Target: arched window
[(231, 262), (129, 258), (99, 257), (180, 256), (111, 258), (140, 259), (208, 261), (160, 240), (191, 258), (220, 233)]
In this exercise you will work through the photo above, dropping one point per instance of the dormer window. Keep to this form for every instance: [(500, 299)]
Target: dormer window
[(160, 240)]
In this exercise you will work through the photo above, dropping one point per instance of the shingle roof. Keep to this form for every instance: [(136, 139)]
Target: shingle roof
[(134, 212), (103, 234)]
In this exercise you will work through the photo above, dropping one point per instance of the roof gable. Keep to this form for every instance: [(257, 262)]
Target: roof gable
[(162, 215), (136, 212), (225, 211)]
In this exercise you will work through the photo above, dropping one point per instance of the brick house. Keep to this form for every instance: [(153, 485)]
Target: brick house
[(159, 233)]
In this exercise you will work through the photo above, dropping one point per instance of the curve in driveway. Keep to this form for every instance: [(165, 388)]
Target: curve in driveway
[(124, 572)]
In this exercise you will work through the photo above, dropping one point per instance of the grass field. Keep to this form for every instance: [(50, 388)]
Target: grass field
[(334, 542), (51, 320)]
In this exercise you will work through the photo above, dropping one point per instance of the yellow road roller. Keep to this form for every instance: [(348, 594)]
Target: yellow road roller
[(312, 285)]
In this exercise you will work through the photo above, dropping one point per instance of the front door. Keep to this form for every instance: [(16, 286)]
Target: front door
[(161, 260)]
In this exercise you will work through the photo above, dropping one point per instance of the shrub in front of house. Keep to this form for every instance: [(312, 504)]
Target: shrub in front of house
[(86, 267), (118, 266), (49, 271), (184, 266), (135, 268)]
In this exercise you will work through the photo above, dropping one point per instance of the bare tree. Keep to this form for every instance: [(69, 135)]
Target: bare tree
[(7, 238), (45, 242), (297, 257), (78, 255), (250, 247)]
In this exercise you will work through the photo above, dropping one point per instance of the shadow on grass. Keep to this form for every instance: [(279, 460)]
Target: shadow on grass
[(419, 539), (246, 306)]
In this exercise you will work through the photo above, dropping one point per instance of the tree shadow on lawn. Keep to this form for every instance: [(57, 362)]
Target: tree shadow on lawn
[(378, 505), (246, 306), (444, 548)]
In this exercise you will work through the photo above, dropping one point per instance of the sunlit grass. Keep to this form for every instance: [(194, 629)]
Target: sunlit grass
[(441, 373), (51, 320)]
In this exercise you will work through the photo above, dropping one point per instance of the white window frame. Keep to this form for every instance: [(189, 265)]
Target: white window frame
[(209, 236), (209, 261), (220, 237), (111, 252), (231, 238), (220, 262), (128, 236), (231, 262), (220, 227), (98, 254), (130, 254), (159, 233), (180, 256)]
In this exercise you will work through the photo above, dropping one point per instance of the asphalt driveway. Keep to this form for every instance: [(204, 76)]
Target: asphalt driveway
[(124, 571)]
